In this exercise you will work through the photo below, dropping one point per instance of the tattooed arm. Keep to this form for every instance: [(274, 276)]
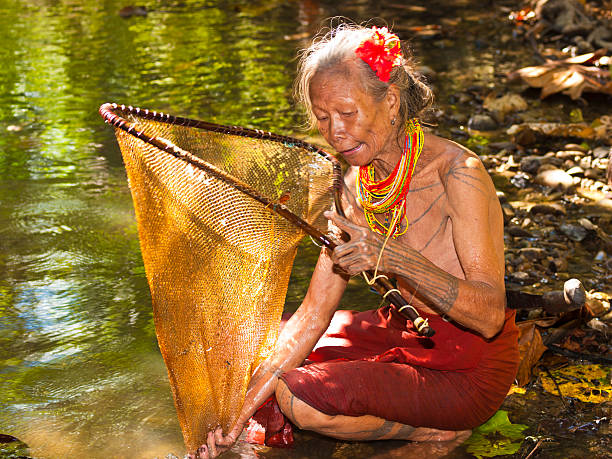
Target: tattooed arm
[(476, 299)]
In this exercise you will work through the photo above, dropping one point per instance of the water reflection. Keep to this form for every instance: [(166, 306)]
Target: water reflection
[(80, 372)]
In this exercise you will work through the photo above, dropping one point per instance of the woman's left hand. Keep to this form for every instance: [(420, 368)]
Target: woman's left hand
[(361, 252)]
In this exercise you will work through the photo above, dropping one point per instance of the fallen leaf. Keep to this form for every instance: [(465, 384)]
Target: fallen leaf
[(498, 436), (531, 349), (568, 76), (588, 383)]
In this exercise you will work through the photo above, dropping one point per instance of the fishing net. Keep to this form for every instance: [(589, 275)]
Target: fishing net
[(217, 255)]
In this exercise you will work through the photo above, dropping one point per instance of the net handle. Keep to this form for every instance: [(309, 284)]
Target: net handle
[(109, 113)]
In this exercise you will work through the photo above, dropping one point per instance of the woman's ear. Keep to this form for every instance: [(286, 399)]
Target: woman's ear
[(393, 100)]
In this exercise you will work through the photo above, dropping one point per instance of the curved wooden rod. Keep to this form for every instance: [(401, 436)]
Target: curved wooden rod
[(382, 285)]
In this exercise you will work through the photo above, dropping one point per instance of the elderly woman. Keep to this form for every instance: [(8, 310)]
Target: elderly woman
[(419, 209)]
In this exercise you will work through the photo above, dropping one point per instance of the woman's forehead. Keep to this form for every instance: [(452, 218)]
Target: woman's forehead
[(339, 85)]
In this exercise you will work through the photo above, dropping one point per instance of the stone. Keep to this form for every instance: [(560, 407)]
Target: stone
[(576, 170), (530, 164), (555, 178), (592, 174), (521, 180), (482, 123), (574, 232), (602, 152), (532, 253), (520, 277), (547, 209), (517, 231)]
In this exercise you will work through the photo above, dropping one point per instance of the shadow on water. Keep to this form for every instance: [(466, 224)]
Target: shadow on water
[(80, 371)]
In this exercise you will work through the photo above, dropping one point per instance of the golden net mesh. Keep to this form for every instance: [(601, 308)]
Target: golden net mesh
[(217, 260)]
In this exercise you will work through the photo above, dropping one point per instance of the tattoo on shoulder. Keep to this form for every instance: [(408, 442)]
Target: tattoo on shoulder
[(469, 175)]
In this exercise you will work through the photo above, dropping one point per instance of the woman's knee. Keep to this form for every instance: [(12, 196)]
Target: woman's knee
[(299, 412)]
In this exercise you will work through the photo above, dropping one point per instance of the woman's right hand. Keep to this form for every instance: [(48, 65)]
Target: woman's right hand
[(217, 443)]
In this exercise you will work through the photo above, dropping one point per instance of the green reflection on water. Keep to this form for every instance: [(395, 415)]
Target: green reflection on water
[(80, 372)]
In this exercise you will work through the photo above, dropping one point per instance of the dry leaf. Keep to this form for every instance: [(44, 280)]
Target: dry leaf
[(568, 76), (531, 349)]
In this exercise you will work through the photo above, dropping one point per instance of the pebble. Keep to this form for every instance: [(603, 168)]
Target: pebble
[(574, 232), (576, 170), (482, 123), (548, 209), (554, 178), (517, 231), (521, 180), (530, 164), (602, 152)]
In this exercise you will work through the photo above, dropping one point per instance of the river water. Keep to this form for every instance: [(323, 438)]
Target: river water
[(80, 371)]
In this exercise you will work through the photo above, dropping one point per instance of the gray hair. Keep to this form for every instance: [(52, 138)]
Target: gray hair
[(337, 47)]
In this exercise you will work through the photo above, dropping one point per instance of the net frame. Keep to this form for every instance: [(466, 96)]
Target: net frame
[(109, 111), (115, 115)]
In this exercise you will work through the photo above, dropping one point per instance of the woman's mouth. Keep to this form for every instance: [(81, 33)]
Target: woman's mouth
[(351, 151)]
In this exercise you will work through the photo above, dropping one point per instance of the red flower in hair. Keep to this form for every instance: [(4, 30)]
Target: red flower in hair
[(381, 52)]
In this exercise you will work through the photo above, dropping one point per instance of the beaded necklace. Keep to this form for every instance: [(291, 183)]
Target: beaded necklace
[(388, 196)]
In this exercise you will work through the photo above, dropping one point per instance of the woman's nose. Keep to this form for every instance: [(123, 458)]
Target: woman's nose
[(336, 128)]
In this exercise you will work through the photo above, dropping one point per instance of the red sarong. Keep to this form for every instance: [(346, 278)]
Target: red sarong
[(375, 363)]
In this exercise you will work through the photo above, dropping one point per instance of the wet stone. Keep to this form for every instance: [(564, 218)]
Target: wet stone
[(592, 174), (555, 178), (576, 170), (521, 180), (482, 123), (548, 209), (574, 232), (530, 164), (533, 253), (520, 277), (602, 152), (517, 231)]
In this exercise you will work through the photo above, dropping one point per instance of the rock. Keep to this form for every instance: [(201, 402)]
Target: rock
[(574, 147), (508, 211), (458, 119), (558, 265), (503, 105), (502, 197), (547, 209), (555, 178), (569, 154), (482, 123), (574, 232), (508, 146), (517, 231), (520, 276), (530, 164), (592, 174), (521, 180), (532, 253), (602, 152), (576, 170)]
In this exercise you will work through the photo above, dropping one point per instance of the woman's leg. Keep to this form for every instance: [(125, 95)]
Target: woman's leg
[(360, 428)]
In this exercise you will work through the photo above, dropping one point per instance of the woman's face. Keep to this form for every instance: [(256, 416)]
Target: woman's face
[(352, 121)]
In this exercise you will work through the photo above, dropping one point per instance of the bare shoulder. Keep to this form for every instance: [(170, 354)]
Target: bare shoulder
[(459, 168)]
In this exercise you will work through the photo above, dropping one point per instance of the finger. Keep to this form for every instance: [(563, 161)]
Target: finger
[(202, 452), (218, 435), (212, 446), (345, 224)]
